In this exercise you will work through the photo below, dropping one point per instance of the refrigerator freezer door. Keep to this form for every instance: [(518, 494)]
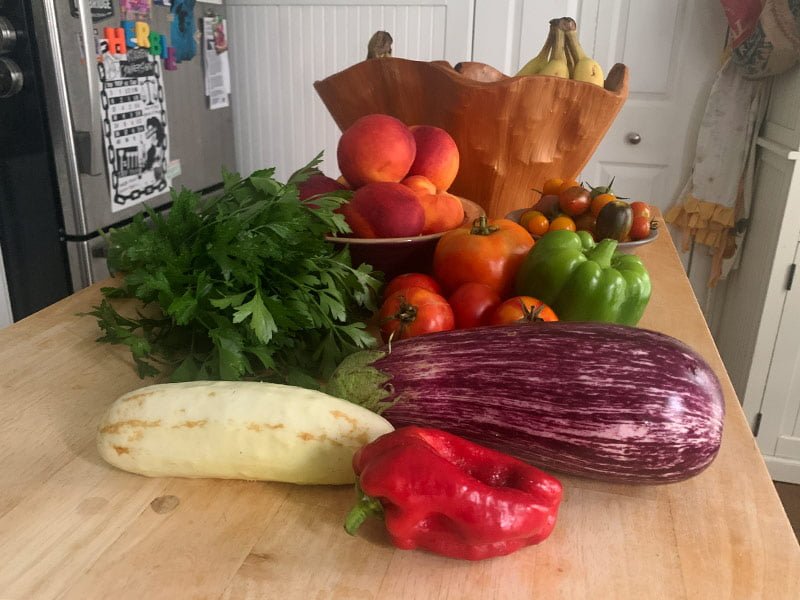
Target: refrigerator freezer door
[(201, 139)]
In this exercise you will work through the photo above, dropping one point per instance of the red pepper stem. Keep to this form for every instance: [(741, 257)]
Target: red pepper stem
[(366, 507)]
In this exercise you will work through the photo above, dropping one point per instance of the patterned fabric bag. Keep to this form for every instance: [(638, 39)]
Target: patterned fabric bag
[(773, 43), (714, 206)]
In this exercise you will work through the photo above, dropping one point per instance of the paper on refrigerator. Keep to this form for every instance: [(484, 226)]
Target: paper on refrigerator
[(215, 62), (135, 130)]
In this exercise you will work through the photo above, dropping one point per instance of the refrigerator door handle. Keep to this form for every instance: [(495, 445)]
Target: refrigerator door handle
[(89, 144)]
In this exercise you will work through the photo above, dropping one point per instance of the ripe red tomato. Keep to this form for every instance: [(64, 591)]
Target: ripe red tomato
[(414, 311), (641, 209), (640, 228), (488, 252), (586, 222), (472, 303), (522, 309), (574, 201), (407, 280)]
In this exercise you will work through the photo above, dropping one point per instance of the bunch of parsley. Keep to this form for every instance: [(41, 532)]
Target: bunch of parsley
[(244, 285)]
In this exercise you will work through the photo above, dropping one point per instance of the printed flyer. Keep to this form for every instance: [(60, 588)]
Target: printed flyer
[(135, 127)]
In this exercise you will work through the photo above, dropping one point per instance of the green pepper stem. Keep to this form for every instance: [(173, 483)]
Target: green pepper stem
[(365, 508), (602, 253)]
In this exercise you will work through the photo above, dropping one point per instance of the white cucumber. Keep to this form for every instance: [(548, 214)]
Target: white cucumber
[(237, 430)]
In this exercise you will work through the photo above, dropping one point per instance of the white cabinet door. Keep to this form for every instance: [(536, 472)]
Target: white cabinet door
[(280, 47), (779, 431), (673, 50)]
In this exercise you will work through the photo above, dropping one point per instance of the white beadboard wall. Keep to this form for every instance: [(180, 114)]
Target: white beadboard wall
[(278, 50)]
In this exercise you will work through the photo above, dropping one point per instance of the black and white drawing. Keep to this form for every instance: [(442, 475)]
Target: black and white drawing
[(134, 126)]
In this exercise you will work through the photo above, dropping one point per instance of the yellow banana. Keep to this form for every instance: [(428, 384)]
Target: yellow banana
[(538, 62), (557, 65), (586, 68)]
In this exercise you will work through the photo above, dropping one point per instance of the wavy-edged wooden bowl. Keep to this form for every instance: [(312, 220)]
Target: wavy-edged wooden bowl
[(395, 256), (512, 135)]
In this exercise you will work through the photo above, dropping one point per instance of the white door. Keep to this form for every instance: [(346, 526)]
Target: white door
[(280, 47), (672, 49), (779, 431)]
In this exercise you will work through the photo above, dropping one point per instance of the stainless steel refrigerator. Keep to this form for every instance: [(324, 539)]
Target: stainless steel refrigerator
[(54, 183)]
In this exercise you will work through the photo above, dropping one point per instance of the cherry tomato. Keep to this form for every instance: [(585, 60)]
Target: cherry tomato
[(548, 206), (407, 280), (552, 186), (522, 309), (599, 201), (641, 209), (562, 222), (586, 222), (568, 183), (472, 303), (574, 201), (414, 311), (640, 228), (490, 251), (535, 222)]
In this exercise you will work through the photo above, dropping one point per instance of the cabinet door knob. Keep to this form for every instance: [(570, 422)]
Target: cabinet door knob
[(634, 138)]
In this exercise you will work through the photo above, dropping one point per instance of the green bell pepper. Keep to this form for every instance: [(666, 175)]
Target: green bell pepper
[(584, 281)]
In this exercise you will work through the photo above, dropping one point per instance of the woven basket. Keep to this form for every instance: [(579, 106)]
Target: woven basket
[(512, 135)]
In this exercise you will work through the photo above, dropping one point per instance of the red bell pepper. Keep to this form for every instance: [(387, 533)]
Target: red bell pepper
[(440, 492)]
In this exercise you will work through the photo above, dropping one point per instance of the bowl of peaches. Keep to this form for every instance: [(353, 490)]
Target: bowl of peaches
[(598, 210), (400, 207)]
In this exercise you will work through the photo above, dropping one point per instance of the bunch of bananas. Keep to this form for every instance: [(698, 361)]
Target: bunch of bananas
[(562, 56)]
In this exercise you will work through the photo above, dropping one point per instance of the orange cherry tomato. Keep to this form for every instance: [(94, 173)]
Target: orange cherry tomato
[(414, 311), (568, 183), (535, 222), (562, 222), (599, 201), (490, 251), (552, 186), (520, 309)]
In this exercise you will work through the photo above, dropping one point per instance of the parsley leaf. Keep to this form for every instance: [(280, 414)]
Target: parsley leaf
[(242, 285)]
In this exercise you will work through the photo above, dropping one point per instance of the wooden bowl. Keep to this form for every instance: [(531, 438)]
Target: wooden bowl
[(512, 135), (624, 247), (395, 256)]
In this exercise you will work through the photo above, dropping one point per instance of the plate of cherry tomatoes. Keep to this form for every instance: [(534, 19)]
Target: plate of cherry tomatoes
[(598, 210)]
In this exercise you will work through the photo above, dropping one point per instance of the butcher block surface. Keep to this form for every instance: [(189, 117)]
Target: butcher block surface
[(71, 526)]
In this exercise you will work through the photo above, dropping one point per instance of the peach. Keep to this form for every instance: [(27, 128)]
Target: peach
[(437, 156), (317, 184), (375, 148), (384, 210), (443, 212), (419, 184)]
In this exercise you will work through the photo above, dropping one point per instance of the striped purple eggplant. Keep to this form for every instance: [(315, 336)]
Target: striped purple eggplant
[(610, 402)]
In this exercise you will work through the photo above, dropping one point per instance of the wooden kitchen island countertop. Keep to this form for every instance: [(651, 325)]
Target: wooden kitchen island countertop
[(71, 526)]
